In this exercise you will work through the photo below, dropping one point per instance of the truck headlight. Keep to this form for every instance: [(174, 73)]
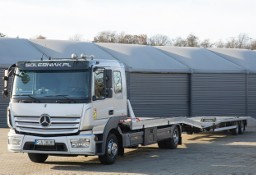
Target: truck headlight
[(80, 143), (14, 141)]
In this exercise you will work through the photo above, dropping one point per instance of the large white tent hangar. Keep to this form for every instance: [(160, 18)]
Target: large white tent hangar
[(162, 81)]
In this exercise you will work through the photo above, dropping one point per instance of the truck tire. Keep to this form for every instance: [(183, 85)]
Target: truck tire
[(172, 142), (162, 144), (111, 150), (37, 158)]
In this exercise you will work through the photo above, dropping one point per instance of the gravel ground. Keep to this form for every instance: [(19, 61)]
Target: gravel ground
[(199, 154)]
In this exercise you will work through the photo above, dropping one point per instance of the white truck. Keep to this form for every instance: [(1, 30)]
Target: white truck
[(79, 106)]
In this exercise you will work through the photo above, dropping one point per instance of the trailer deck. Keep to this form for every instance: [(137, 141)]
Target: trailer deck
[(235, 124), (193, 124)]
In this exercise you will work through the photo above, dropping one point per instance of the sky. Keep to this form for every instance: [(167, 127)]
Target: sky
[(62, 19)]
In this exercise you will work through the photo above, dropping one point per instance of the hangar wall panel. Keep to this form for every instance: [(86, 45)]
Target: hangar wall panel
[(251, 95), (154, 95), (218, 94)]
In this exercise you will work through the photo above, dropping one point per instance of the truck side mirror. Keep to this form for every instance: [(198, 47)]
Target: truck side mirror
[(108, 83), (5, 92), (5, 78), (108, 76), (7, 73)]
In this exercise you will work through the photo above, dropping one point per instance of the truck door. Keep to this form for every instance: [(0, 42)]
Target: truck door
[(105, 105), (102, 106)]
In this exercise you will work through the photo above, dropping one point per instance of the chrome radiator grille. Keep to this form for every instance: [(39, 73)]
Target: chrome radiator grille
[(58, 125)]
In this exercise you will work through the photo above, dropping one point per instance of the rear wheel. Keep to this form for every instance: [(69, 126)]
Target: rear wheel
[(37, 158), (172, 142), (236, 130), (242, 127), (111, 150)]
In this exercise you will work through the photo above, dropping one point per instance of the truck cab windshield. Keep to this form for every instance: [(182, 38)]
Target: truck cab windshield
[(51, 85)]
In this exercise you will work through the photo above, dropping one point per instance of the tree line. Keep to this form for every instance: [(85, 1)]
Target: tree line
[(241, 41)]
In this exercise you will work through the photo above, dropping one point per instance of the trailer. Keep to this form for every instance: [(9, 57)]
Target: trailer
[(236, 125), (79, 106)]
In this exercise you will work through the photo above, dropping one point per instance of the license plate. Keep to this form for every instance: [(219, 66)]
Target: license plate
[(44, 142)]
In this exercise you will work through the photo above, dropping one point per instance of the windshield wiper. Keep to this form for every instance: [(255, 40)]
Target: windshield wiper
[(58, 95), (30, 96), (64, 97)]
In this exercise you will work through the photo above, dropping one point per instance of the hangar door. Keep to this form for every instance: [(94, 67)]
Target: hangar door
[(218, 94), (158, 95)]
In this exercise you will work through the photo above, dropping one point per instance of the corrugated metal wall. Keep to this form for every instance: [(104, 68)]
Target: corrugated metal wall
[(3, 103), (218, 94), (154, 95), (251, 106)]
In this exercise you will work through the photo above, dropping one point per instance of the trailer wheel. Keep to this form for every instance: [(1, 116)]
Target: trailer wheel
[(37, 158), (242, 127), (236, 130), (111, 150), (172, 142)]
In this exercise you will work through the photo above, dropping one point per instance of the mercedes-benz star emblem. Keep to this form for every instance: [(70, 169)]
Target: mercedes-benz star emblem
[(45, 120)]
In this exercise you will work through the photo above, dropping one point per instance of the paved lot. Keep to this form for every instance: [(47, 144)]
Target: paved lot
[(199, 154)]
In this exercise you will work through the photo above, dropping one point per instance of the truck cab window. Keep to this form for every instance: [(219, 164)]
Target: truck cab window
[(99, 84), (51, 85), (24, 84), (117, 82)]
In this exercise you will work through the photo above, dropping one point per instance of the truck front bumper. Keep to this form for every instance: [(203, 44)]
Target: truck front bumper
[(82, 144)]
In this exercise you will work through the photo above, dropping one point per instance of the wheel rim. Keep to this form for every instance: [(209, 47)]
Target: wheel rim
[(112, 148), (175, 136)]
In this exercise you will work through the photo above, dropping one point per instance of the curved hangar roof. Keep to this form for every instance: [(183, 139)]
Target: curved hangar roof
[(201, 60), (64, 49), (242, 57), (13, 50), (137, 58)]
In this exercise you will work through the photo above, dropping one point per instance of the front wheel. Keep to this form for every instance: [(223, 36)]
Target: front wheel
[(111, 150), (37, 158)]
